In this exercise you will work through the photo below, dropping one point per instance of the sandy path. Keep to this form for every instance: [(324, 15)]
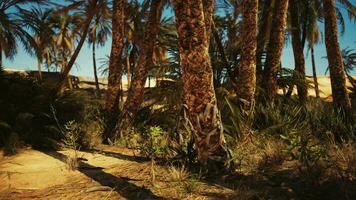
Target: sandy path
[(34, 174), (109, 173)]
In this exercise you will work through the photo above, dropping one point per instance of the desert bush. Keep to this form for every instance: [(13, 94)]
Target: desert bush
[(156, 142)]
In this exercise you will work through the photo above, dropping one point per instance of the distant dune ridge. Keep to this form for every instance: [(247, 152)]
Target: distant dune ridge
[(89, 82)]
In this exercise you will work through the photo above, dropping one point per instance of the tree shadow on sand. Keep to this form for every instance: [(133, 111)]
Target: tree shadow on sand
[(119, 184), (138, 159)]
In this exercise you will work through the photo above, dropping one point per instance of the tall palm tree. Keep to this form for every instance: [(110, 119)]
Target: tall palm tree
[(115, 66), (89, 7), (203, 116), (145, 61), (313, 37), (264, 30), (10, 28), (246, 80), (298, 47), (274, 49), (336, 66), (99, 31), (39, 22)]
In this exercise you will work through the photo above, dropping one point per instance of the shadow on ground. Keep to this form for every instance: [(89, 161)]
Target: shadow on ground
[(119, 184)]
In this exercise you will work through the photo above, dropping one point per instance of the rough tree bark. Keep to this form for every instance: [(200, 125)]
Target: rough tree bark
[(297, 46), (246, 80), (263, 32), (199, 99), (145, 61), (336, 66), (115, 65), (274, 49)]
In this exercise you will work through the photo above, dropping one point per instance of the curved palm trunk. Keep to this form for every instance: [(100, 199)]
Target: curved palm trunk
[(297, 45), (95, 71), (115, 65), (85, 29), (246, 80), (336, 66), (199, 98), (315, 78), (135, 93), (274, 50)]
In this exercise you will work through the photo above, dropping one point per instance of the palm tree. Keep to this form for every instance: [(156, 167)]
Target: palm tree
[(298, 47), (145, 61), (274, 49), (246, 80), (40, 24), (264, 30), (336, 66), (115, 66), (99, 31), (89, 8), (10, 28), (202, 114), (313, 37)]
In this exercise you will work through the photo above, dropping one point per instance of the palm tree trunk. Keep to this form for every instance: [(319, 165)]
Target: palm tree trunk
[(274, 49), (297, 45), (336, 66), (263, 32), (135, 93), (202, 114), (95, 71), (246, 80), (85, 29), (315, 78), (115, 67), (1, 56), (39, 68), (128, 69), (221, 50)]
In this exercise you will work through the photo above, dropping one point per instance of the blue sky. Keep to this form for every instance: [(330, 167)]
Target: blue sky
[(84, 61)]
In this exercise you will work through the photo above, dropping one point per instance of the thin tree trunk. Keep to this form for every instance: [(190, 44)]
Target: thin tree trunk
[(315, 78), (263, 32), (128, 69), (221, 50), (202, 114), (275, 47), (1, 56), (299, 61), (39, 68), (85, 29), (135, 93), (336, 66), (115, 67), (246, 80), (95, 71)]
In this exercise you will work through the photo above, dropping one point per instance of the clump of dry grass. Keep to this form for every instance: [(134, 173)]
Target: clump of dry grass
[(342, 159), (258, 154), (178, 174)]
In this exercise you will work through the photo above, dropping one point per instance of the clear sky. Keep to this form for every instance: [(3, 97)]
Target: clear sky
[(84, 61)]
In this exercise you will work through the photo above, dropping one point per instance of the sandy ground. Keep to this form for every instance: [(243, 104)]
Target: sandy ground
[(109, 173)]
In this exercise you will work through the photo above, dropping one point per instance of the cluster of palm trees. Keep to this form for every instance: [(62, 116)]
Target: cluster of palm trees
[(53, 33), (239, 47)]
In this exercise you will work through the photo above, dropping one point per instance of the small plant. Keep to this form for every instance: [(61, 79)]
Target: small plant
[(71, 136), (178, 174), (156, 146)]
